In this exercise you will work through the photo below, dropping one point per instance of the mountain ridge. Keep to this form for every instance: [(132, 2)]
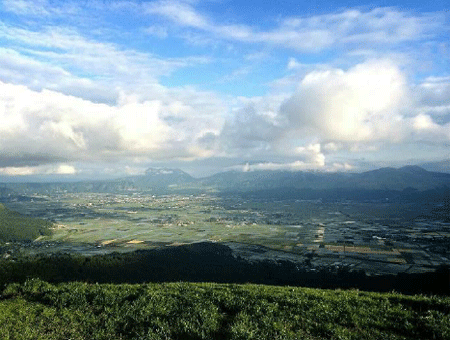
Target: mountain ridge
[(167, 180)]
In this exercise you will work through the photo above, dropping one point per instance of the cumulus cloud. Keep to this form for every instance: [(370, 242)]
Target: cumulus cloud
[(433, 99), (80, 99), (364, 109), (253, 128), (54, 127), (423, 122), (425, 128), (313, 154), (360, 104), (67, 94)]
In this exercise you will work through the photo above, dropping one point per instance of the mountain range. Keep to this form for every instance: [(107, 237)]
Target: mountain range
[(165, 180), (413, 177), (439, 166)]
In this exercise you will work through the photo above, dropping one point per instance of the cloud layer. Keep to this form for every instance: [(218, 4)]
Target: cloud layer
[(80, 84), (54, 127)]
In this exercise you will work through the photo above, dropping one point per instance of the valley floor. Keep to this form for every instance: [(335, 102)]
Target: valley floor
[(375, 237)]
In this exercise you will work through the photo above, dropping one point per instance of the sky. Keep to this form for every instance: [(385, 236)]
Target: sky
[(101, 89)]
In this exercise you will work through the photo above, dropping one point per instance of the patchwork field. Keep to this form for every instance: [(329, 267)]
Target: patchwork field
[(361, 235), (149, 221)]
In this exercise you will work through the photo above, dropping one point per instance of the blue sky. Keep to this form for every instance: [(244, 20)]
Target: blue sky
[(109, 88)]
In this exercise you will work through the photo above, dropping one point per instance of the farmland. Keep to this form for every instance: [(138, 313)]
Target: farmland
[(377, 237)]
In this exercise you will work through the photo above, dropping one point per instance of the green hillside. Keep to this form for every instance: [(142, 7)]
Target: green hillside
[(17, 227), (39, 310)]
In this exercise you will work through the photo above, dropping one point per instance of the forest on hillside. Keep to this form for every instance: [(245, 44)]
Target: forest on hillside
[(17, 227)]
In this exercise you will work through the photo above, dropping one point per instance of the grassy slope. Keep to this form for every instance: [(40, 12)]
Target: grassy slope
[(39, 310), (17, 227)]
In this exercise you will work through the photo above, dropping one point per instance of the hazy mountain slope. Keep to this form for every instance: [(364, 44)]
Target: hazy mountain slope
[(158, 178), (165, 180), (380, 179), (399, 179), (440, 166)]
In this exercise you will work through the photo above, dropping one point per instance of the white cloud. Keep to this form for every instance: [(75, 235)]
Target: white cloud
[(254, 127), (313, 154), (293, 64), (157, 31), (237, 74), (68, 94), (340, 167), (435, 91), (249, 130), (426, 129), (65, 169), (360, 104), (424, 122), (87, 64), (20, 69), (293, 166), (61, 169), (365, 109), (52, 127), (45, 9), (256, 56), (36, 7), (18, 171), (332, 146), (380, 26), (57, 115), (179, 12)]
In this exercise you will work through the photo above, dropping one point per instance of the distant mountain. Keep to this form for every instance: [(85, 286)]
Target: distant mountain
[(166, 180), (154, 179), (441, 166), (158, 178), (399, 179), (381, 179), (413, 169)]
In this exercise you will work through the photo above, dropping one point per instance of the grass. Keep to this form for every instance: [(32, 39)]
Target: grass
[(39, 310)]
